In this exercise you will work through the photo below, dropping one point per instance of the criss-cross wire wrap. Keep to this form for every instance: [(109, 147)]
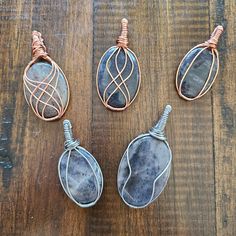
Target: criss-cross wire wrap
[(47, 88), (74, 145), (122, 47), (208, 45), (157, 132)]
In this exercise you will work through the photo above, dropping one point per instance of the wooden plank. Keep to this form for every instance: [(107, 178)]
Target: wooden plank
[(32, 200), (224, 110), (160, 33)]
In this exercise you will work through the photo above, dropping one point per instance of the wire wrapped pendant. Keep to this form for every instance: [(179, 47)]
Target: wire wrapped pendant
[(145, 166), (79, 172), (118, 74), (199, 68), (46, 88)]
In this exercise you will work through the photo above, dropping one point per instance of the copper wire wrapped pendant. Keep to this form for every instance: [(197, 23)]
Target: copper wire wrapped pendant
[(118, 74), (79, 173), (46, 88), (145, 166), (198, 69)]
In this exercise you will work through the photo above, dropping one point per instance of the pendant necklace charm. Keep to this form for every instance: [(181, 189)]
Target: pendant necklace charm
[(46, 88), (199, 68), (79, 172), (118, 74), (145, 166)]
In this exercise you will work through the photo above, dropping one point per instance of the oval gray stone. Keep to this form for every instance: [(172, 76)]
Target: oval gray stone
[(37, 73), (197, 75), (113, 64), (81, 176), (144, 171)]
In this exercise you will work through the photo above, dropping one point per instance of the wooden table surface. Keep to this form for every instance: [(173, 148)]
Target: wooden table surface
[(200, 198)]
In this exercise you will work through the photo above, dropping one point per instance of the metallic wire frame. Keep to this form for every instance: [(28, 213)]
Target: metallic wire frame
[(215, 56), (113, 79), (122, 43), (67, 189), (39, 52), (155, 180), (156, 132), (118, 75), (208, 45)]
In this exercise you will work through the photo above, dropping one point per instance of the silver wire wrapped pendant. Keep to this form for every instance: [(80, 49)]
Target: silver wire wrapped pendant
[(79, 172), (145, 166), (118, 74), (199, 68)]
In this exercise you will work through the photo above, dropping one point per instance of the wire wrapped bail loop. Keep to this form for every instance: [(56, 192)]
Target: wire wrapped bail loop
[(212, 42), (38, 47), (158, 130), (70, 143), (122, 40)]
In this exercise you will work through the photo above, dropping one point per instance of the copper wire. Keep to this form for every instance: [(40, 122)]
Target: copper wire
[(122, 40), (46, 87), (122, 47), (208, 45), (119, 75), (38, 47), (212, 42)]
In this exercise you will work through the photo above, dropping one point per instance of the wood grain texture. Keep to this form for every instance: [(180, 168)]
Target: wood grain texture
[(224, 111), (200, 196), (32, 200)]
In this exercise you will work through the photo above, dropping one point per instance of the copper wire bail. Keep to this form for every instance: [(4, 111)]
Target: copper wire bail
[(210, 44), (44, 92), (122, 40), (38, 47)]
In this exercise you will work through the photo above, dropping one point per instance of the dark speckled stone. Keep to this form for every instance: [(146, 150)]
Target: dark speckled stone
[(84, 176), (117, 100), (148, 158), (37, 72), (198, 73)]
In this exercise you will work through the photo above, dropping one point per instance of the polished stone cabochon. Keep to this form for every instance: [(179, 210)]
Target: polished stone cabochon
[(198, 73), (121, 71), (38, 72), (85, 180), (149, 160)]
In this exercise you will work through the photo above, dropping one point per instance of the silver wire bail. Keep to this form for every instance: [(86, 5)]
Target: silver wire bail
[(158, 130), (70, 143)]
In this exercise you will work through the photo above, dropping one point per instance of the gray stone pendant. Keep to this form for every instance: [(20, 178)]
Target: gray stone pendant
[(118, 74), (145, 166), (79, 172), (199, 68), (46, 88)]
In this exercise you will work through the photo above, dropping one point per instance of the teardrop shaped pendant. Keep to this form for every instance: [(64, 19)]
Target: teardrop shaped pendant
[(79, 172), (46, 88), (118, 74), (199, 68), (145, 166)]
